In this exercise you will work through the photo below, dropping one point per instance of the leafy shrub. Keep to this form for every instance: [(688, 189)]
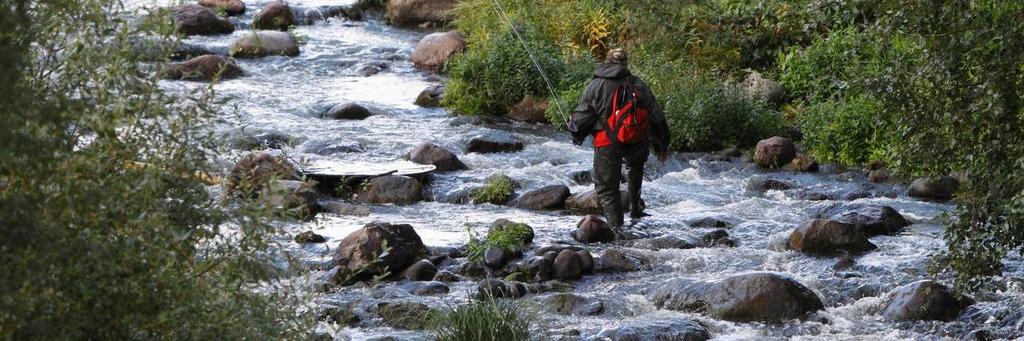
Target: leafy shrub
[(847, 131), (509, 238), (485, 320), (490, 78), (497, 191), (108, 229)]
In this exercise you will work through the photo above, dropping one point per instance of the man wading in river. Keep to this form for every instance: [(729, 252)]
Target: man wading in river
[(620, 111)]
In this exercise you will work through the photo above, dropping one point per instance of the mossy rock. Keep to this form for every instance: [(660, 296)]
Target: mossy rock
[(499, 190)]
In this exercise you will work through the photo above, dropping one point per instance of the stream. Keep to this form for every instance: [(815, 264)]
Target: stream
[(279, 99)]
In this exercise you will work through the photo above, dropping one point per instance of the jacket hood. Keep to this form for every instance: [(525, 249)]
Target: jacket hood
[(611, 71)]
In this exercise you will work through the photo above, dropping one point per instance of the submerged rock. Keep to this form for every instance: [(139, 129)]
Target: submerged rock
[(936, 188), (924, 300), (203, 68), (501, 289), (544, 198), (391, 189), (645, 329), (433, 50), (422, 270), (407, 13), (572, 304), (359, 255), (431, 96), (872, 219), (615, 261), (827, 237), (759, 296), (198, 20), (230, 7), (762, 184), (774, 152), (259, 44), (405, 315), (710, 222), (431, 154), (275, 15), (591, 229), (309, 237), (494, 143), (430, 288), (347, 111)]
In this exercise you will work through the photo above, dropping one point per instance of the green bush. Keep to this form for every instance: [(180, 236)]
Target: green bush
[(483, 320), (497, 191), (850, 131), (490, 78), (108, 230)]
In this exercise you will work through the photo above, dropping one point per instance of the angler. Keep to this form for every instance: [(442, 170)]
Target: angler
[(621, 113)]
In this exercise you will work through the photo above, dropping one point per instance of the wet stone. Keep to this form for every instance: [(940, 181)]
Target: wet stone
[(494, 143), (572, 304), (309, 237), (924, 300), (645, 329), (430, 288)]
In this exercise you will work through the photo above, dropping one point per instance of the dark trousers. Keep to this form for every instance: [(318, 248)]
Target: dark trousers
[(608, 175)]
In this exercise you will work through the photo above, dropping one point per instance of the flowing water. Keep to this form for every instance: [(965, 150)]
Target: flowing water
[(279, 99)]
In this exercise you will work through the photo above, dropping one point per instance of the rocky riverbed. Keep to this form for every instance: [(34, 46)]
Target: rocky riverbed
[(730, 251)]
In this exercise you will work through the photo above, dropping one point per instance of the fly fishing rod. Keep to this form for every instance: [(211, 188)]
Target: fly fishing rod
[(536, 64)]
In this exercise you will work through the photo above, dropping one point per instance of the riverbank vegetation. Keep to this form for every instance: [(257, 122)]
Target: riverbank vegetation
[(108, 229), (927, 87)]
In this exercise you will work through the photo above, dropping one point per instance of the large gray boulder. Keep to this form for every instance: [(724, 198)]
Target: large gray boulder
[(258, 44), (361, 254), (431, 154), (827, 237), (774, 152), (203, 68), (347, 111), (753, 297), (391, 189), (198, 20), (925, 300), (935, 188), (872, 219), (433, 50), (495, 142), (408, 13), (275, 15), (544, 198)]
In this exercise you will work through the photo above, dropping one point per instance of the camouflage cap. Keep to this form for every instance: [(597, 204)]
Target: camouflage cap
[(616, 56)]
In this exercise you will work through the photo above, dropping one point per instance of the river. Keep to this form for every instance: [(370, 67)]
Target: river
[(282, 97)]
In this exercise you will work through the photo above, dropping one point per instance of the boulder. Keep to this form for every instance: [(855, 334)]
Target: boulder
[(539, 268), (828, 237), (430, 288), (275, 15), (591, 229), (529, 110), (756, 87), (936, 188), (710, 222), (568, 266), (391, 189), (588, 203), (259, 44), (186, 51), (762, 184), (753, 297), (422, 270), (500, 225), (407, 13), (572, 304), (433, 51), (647, 329), (347, 111), (292, 198), (663, 242), (802, 163), (501, 289), (431, 97), (198, 20), (494, 143), (252, 172), (871, 219), (496, 257), (544, 198), (406, 315), (925, 300), (203, 68), (358, 255), (774, 152), (431, 154), (447, 277), (230, 7), (615, 261), (309, 237)]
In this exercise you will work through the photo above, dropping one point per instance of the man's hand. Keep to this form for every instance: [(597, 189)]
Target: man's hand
[(662, 156)]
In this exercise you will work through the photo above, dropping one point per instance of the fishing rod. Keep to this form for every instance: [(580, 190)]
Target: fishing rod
[(536, 64)]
